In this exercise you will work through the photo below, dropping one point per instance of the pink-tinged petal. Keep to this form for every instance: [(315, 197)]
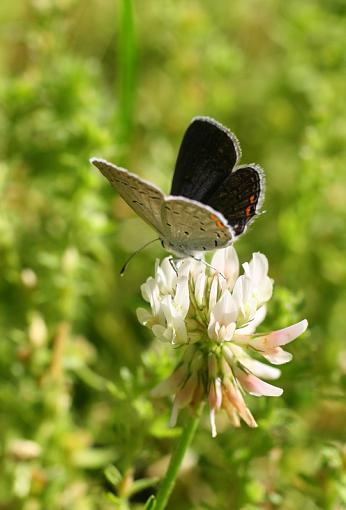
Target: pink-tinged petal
[(184, 397), (232, 395), (277, 356), (170, 385), (218, 390), (260, 369), (248, 418), (215, 394), (225, 368), (228, 356), (185, 393), (242, 339), (256, 386), (198, 395), (279, 337), (286, 335), (212, 423), (231, 413)]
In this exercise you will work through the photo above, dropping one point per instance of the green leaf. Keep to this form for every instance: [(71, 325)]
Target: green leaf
[(150, 504), (143, 483), (113, 475)]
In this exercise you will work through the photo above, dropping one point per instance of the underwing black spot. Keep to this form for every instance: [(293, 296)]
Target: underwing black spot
[(204, 248), (168, 224), (175, 212), (218, 235), (201, 228), (215, 243), (187, 233)]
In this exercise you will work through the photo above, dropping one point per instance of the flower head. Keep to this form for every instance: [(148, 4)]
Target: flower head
[(213, 313)]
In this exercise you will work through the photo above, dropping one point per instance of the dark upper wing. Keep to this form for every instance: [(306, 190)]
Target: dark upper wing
[(207, 155), (240, 196)]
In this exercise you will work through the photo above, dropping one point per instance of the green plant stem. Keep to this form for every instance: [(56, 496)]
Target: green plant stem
[(185, 439), (126, 86)]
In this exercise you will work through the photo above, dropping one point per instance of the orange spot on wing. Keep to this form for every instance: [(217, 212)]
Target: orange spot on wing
[(216, 220), (248, 211)]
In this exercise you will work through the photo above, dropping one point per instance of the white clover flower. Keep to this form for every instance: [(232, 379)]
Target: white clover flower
[(213, 313)]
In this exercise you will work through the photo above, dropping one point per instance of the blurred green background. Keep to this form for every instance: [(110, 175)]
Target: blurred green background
[(81, 79)]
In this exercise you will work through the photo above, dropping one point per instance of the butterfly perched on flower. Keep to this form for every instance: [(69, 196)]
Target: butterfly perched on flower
[(212, 198)]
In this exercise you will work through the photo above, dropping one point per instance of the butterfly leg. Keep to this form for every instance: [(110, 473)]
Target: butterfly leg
[(210, 266), (173, 266)]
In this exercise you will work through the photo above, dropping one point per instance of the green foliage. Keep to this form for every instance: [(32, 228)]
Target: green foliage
[(115, 79)]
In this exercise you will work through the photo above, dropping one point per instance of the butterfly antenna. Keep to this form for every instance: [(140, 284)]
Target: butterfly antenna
[(123, 269)]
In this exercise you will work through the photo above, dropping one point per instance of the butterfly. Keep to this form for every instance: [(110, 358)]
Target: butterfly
[(212, 199)]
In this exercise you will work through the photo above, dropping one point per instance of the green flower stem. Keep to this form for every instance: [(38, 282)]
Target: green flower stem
[(185, 439)]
